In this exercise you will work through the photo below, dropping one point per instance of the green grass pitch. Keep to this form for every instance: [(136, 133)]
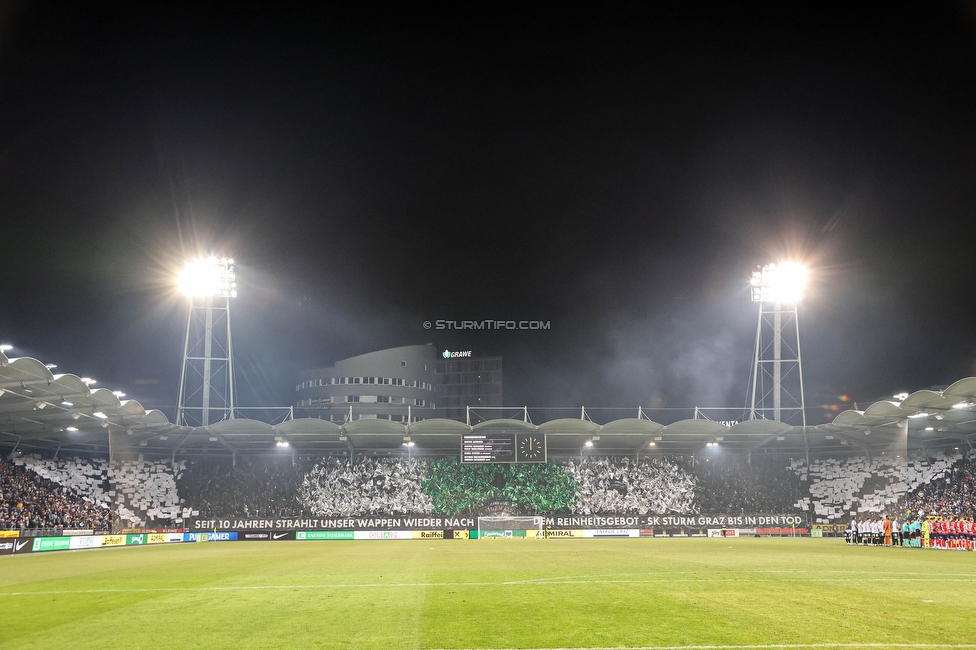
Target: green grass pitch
[(626, 593)]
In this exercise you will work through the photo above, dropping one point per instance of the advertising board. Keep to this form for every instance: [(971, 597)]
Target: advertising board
[(22, 545), (324, 534), (383, 534), (85, 541), (51, 544), (612, 532)]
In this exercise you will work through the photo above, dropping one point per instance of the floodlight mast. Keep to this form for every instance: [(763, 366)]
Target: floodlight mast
[(778, 288), (207, 391)]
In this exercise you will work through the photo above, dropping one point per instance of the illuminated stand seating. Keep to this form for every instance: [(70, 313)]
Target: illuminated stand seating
[(839, 487), (621, 486), (338, 488), (137, 491)]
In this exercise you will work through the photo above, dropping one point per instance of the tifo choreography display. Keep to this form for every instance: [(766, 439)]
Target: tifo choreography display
[(392, 498)]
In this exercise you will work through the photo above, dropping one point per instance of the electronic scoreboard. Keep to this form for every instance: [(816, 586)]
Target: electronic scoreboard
[(503, 447)]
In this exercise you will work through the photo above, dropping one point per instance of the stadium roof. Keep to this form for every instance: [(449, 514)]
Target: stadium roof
[(40, 411)]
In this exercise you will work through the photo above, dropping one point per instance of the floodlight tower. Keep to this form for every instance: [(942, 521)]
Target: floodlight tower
[(778, 288), (207, 378)]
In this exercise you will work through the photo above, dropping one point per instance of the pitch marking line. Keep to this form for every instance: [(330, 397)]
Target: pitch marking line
[(555, 582), (666, 575)]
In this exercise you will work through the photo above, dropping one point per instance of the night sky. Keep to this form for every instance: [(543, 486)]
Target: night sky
[(618, 175)]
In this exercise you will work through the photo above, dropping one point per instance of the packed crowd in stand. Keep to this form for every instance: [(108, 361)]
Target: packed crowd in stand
[(337, 487), (836, 488), (735, 484), (94, 493), (254, 488), (27, 500), (950, 495), (620, 485), (140, 493)]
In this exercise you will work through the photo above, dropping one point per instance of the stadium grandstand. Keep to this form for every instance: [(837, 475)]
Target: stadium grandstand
[(82, 458)]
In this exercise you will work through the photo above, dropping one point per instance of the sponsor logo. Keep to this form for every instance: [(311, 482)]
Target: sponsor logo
[(280, 535), (19, 545), (325, 534), (447, 354), (8, 533), (113, 540), (256, 536), (612, 532), (156, 538), (52, 543), (7, 546), (85, 541), (552, 534), (135, 539)]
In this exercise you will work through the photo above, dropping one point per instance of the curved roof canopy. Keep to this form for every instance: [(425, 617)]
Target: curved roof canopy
[(42, 411)]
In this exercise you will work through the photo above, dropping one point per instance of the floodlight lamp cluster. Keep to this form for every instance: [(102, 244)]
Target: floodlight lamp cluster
[(779, 283), (208, 277)]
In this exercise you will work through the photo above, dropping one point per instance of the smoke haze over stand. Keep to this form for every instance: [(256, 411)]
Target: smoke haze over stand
[(618, 179)]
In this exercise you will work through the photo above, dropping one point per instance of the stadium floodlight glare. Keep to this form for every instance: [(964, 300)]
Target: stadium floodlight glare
[(4, 347), (88, 381), (208, 276), (207, 379), (779, 283), (72, 429), (920, 414)]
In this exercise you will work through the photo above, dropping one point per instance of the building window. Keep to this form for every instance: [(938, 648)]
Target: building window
[(403, 364), (352, 398)]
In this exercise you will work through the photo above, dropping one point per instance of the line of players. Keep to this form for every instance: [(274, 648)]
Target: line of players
[(954, 533)]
